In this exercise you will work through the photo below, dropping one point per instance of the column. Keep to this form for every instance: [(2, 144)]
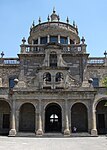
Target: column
[(38, 40), (12, 131), (66, 131), (48, 38), (17, 120), (58, 38), (39, 132), (94, 130), (68, 40), (68, 43)]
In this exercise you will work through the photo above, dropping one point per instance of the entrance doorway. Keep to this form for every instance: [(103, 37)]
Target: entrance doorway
[(79, 118), (4, 118), (53, 118), (27, 118), (101, 116)]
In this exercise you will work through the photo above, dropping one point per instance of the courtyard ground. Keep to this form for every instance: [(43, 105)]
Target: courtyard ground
[(75, 143)]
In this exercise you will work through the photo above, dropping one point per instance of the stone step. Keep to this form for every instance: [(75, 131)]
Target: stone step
[(26, 134)]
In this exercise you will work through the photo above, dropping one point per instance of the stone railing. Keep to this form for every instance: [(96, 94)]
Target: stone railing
[(32, 48), (96, 61), (75, 48), (9, 61)]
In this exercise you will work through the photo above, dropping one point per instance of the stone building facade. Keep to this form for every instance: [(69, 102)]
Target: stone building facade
[(53, 86)]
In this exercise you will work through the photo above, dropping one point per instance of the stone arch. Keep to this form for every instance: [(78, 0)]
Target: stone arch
[(79, 117), (5, 110), (47, 77), (59, 77), (101, 116), (27, 117), (53, 118)]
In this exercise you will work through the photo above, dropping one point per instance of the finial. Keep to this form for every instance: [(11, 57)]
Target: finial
[(39, 20), (30, 28), (67, 20), (48, 18), (83, 40), (105, 53), (54, 10), (2, 54), (73, 23), (33, 24), (23, 40), (58, 18)]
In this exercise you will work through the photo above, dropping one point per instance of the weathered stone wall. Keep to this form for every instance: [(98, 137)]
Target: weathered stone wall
[(6, 72)]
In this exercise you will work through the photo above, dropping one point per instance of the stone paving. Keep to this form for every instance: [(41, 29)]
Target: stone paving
[(74, 143)]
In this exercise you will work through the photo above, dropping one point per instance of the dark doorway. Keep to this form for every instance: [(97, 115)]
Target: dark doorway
[(101, 116), (53, 118), (4, 118), (27, 118), (79, 119), (6, 121)]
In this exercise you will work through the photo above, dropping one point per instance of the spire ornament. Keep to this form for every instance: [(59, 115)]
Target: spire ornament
[(83, 40), (39, 20), (48, 18), (73, 23), (33, 24), (2, 54), (67, 20)]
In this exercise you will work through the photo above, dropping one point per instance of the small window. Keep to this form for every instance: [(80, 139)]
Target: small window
[(53, 60), (11, 82), (47, 77), (53, 118), (35, 41), (43, 40), (95, 82), (54, 39), (59, 77), (63, 40)]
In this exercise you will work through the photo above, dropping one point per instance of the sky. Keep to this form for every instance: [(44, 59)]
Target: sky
[(16, 17)]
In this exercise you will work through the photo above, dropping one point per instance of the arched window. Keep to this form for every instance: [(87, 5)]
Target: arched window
[(47, 77), (59, 77), (53, 60)]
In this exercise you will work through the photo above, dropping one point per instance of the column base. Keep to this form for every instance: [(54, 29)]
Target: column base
[(94, 132), (12, 132), (39, 132), (67, 132)]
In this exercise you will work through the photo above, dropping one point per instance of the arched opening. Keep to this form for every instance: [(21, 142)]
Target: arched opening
[(79, 118), (101, 117), (27, 118), (47, 77), (59, 77), (4, 118), (53, 118)]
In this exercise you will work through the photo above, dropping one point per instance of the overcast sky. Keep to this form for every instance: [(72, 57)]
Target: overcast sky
[(16, 17)]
